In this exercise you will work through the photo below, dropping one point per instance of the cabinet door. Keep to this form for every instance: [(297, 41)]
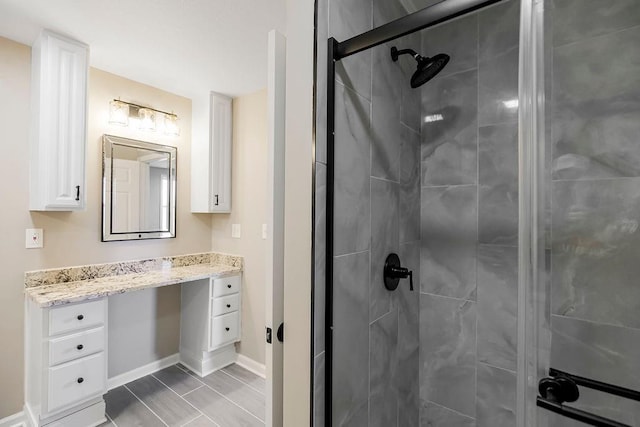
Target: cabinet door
[(76, 381), (58, 151), (220, 169)]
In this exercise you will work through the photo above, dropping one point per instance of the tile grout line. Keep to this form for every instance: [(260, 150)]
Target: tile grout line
[(202, 415), (383, 316), (191, 391), (109, 418), (234, 403), (243, 382), (452, 410), (217, 392), (447, 185), (448, 297), (145, 405), (590, 39), (496, 367), (352, 253), (179, 396), (475, 365), (579, 319)]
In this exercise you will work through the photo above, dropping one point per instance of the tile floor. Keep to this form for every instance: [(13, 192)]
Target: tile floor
[(175, 396)]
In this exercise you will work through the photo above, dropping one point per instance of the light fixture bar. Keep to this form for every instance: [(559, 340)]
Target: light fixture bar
[(147, 108)]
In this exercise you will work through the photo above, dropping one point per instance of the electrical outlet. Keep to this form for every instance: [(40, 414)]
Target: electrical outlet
[(235, 231), (34, 238), (264, 231)]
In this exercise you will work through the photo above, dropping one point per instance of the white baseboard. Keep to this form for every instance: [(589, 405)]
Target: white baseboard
[(251, 365), (207, 362), (140, 372), (15, 420)]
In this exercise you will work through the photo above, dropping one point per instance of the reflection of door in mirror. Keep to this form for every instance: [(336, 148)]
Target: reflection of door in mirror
[(139, 189), (126, 196), (154, 211), (140, 195)]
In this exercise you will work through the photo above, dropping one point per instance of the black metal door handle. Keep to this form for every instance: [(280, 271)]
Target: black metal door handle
[(280, 332), (77, 192)]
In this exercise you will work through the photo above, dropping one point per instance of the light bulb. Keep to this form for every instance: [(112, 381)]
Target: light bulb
[(118, 113), (147, 119), (171, 125)]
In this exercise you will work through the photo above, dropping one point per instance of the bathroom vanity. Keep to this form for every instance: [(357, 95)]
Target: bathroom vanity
[(66, 323)]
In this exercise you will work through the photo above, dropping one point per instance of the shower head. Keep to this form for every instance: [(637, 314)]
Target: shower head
[(427, 67)]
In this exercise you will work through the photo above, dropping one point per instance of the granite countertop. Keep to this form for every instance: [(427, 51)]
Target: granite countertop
[(54, 287)]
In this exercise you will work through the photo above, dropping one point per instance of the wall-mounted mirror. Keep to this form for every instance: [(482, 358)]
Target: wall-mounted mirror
[(138, 190)]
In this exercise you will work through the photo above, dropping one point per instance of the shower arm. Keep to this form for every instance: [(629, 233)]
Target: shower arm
[(395, 53)]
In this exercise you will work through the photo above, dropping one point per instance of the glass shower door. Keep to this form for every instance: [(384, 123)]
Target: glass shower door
[(584, 297)]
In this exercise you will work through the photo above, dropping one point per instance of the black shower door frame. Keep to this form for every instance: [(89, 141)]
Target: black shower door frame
[(441, 12)]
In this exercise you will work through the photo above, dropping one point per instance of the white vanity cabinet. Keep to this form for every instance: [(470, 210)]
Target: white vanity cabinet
[(66, 356), (210, 323), (58, 126), (211, 160)]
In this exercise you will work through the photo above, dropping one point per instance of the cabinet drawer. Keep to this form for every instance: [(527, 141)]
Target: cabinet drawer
[(76, 381), (225, 304), (70, 347), (225, 329), (226, 286), (77, 316)]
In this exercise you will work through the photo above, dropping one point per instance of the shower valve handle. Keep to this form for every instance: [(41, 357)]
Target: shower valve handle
[(393, 272)]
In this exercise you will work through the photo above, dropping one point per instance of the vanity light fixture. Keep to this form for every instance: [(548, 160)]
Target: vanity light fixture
[(145, 118)]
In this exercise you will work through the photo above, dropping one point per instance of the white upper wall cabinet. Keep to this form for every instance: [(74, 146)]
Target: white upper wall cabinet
[(59, 124), (211, 160)]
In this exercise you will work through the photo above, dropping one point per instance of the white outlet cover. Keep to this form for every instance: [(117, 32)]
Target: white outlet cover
[(235, 231), (34, 238), (264, 231)]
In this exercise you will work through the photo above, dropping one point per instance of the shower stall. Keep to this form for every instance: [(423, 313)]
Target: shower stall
[(477, 211)]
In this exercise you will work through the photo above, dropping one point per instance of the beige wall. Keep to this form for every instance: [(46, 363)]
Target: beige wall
[(249, 209), (298, 195), (74, 238)]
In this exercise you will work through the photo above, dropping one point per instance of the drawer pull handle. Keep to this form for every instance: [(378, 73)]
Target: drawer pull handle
[(228, 305), (226, 329), (80, 347), (80, 380), (80, 316), (229, 286)]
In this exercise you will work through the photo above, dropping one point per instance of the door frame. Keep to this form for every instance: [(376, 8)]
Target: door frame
[(274, 280)]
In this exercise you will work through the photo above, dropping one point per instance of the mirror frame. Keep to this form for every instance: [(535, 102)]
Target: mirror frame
[(108, 143)]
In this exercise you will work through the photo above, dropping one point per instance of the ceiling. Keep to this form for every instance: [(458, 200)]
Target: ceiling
[(187, 47)]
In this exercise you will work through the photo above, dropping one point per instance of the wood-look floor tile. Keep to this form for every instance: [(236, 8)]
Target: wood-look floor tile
[(201, 421), (238, 392), (221, 410), (127, 411), (170, 407), (246, 376), (178, 380)]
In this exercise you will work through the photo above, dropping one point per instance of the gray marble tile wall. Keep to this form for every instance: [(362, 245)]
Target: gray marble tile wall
[(595, 204), (377, 211), (469, 222)]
